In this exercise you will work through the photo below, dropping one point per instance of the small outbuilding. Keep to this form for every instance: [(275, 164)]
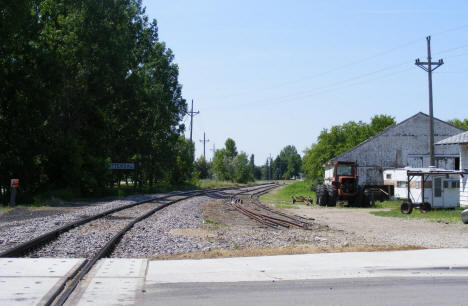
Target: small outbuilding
[(439, 188), (461, 140)]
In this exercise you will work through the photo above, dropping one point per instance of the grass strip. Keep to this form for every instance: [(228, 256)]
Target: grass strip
[(436, 215)]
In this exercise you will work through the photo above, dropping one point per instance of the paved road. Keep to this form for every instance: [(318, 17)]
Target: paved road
[(371, 291)]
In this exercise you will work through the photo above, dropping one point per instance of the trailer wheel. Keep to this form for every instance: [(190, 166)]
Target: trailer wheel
[(425, 207), (406, 208), (464, 216)]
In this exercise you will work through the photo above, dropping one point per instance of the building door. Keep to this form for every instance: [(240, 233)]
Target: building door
[(451, 193), (438, 199)]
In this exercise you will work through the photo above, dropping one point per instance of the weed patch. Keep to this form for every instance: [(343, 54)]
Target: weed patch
[(282, 198)]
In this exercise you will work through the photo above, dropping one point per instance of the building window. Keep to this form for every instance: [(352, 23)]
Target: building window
[(402, 184), (389, 176), (455, 184), (446, 184)]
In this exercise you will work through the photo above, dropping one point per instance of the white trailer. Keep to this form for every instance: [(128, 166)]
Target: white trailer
[(424, 188)]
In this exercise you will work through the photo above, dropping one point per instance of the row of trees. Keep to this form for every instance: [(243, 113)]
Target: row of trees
[(86, 83), (230, 165)]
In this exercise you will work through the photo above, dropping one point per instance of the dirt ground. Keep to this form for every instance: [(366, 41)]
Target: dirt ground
[(368, 228)]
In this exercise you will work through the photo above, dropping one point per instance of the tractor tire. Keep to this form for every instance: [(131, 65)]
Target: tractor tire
[(425, 207), (464, 216), (406, 208), (332, 195), (323, 196), (317, 194)]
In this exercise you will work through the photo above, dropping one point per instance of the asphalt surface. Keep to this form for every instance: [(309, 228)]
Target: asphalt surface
[(368, 291)]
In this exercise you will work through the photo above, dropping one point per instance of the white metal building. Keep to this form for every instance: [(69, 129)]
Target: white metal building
[(405, 144), (462, 141)]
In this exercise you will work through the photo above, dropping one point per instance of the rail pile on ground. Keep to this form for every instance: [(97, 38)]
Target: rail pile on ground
[(269, 216)]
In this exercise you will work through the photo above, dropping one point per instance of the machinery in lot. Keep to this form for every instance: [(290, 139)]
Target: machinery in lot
[(342, 183), (425, 188)]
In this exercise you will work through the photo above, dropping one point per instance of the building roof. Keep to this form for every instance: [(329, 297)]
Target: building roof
[(336, 158), (461, 138)]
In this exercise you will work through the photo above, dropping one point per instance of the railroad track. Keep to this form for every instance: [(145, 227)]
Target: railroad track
[(119, 215), (269, 216)]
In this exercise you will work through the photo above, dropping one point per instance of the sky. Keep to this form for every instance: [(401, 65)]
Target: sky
[(274, 73)]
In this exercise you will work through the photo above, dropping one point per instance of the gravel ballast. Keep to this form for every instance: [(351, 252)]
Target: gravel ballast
[(186, 227), (21, 225)]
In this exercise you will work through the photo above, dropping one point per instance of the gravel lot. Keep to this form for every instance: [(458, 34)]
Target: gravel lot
[(366, 228)]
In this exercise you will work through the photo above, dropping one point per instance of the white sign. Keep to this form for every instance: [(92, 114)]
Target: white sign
[(122, 166)]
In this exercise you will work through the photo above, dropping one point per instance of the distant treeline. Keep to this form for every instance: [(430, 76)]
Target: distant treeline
[(85, 83)]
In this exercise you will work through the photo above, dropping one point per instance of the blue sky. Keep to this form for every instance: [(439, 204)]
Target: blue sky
[(274, 73)]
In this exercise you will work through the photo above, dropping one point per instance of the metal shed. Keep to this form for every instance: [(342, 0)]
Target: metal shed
[(461, 140)]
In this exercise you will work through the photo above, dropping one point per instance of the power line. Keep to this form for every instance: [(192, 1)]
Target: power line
[(337, 85)]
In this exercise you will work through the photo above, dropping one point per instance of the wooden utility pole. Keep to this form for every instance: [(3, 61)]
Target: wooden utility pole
[(192, 113), (429, 67), (214, 149), (204, 144)]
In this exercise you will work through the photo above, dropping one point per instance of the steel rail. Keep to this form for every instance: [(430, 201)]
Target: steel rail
[(292, 217), (34, 243), (67, 288), (270, 220), (254, 216), (61, 295)]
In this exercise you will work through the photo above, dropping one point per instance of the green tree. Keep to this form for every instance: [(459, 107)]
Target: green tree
[(252, 165), (230, 147), (293, 161), (85, 83), (242, 173), (229, 165), (462, 124), (220, 165), (202, 168), (339, 139)]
